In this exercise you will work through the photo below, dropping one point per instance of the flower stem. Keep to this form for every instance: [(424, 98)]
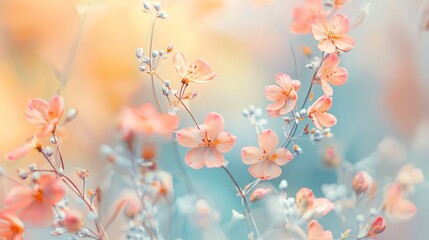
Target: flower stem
[(152, 67)]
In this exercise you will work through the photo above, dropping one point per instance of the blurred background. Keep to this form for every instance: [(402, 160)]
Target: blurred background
[(85, 51)]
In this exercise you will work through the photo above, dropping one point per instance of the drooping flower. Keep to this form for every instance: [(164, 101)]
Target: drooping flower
[(396, 207), (146, 120), (318, 112), (35, 205), (330, 73), (207, 143), (310, 207), (305, 16), (284, 95), (23, 150), (332, 34), (316, 232), (378, 226), (259, 193), (44, 115), (11, 226), (266, 159), (198, 71)]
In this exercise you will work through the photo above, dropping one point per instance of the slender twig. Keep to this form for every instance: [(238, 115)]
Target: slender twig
[(152, 67)]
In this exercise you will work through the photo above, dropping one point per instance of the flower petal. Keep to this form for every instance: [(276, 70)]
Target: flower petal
[(273, 92), (180, 63), (281, 156), (195, 157), (37, 111), (341, 24), (326, 119), (38, 213), (20, 151), (53, 191), (224, 142), (316, 232), (189, 137), (19, 197), (250, 155), (56, 107), (215, 124), (203, 71), (213, 158), (402, 210), (345, 43), (268, 141), (265, 170), (327, 89), (327, 46)]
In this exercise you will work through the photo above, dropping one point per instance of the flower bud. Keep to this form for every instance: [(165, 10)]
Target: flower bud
[(361, 182), (22, 174), (48, 151), (139, 52), (378, 226), (259, 193)]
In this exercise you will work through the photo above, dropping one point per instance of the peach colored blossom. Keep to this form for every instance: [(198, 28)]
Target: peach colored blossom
[(35, 205), (332, 34), (330, 73), (208, 143), (146, 120), (318, 112), (378, 226), (304, 16), (22, 150), (198, 71), (11, 227), (363, 183), (259, 193), (73, 221), (311, 207), (396, 207), (266, 159), (44, 115), (284, 95), (316, 232)]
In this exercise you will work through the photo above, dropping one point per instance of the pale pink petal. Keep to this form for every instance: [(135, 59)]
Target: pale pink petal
[(251, 155), (265, 170), (189, 137), (281, 156), (38, 213), (322, 206), (274, 113), (316, 232), (338, 76), (167, 125), (215, 124), (19, 197), (284, 81), (340, 24), (330, 62), (326, 119), (268, 141), (327, 46), (37, 111), (213, 158), (273, 92), (288, 107), (203, 71), (326, 102), (402, 210), (345, 43), (195, 157), (278, 104), (319, 32), (327, 89), (296, 84), (317, 123), (258, 194), (180, 63), (53, 190), (300, 24), (56, 107), (20, 151), (224, 141)]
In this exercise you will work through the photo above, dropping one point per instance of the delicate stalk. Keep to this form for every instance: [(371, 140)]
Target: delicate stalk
[(152, 67)]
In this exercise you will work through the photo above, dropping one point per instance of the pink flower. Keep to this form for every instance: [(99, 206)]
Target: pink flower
[(311, 207), (284, 95), (378, 226), (45, 115), (266, 159), (146, 120), (73, 221), (35, 205), (318, 112), (330, 73), (207, 143), (362, 183), (304, 16), (259, 193), (332, 35), (10, 226), (22, 150), (316, 232), (198, 71), (396, 207)]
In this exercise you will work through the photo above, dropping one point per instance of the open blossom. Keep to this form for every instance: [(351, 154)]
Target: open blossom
[(377, 226), (198, 71), (396, 207), (45, 115), (311, 207), (35, 205), (330, 73), (284, 95), (318, 112), (332, 34), (266, 159), (208, 143), (146, 120), (304, 16), (316, 232), (11, 228)]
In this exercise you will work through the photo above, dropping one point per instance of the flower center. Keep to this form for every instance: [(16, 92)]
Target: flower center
[(331, 35), (38, 195), (206, 141), (265, 156), (16, 229), (287, 93)]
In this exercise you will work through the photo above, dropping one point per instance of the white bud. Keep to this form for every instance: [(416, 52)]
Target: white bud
[(22, 174), (283, 184), (167, 83), (360, 218), (163, 15), (48, 151), (53, 140), (60, 171), (157, 6), (155, 53), (146, 6), (72, 113), (142, 68), (139, 52), (32, 167)]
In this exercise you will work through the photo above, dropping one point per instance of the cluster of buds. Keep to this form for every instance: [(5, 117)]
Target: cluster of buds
[(150, 63), (156, 7), (254, 115)]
